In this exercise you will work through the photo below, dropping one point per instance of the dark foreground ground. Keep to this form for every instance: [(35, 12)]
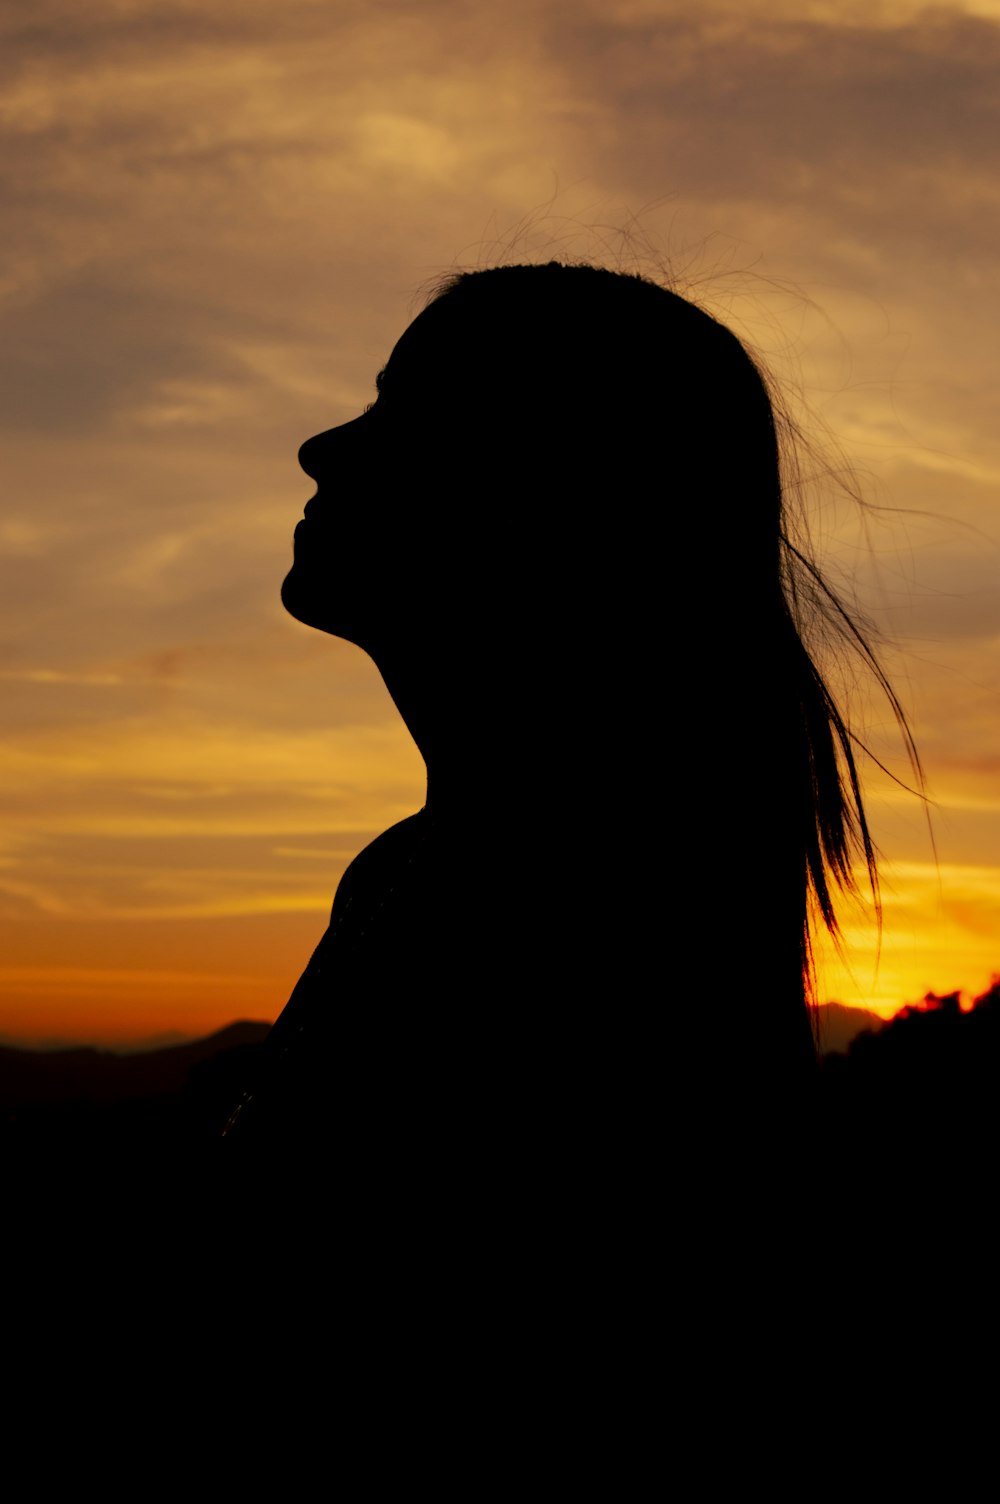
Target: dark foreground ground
[(915, 1099), (93, 1108), (126, 1230)]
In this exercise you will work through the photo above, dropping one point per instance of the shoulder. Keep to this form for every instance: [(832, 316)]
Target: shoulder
[(383, 860)]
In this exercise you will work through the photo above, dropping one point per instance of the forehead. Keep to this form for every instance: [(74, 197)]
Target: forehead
[(428, 345), (460, 358)]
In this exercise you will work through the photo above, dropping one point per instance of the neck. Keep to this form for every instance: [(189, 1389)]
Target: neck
[(489, 738)]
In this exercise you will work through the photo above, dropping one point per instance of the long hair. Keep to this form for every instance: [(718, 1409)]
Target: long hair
[(599, 398)]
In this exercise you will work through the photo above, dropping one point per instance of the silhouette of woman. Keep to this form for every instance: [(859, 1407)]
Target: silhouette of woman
[(559, 532)]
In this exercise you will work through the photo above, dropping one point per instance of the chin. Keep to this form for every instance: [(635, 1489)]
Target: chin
[(299, 600), (309, 604)]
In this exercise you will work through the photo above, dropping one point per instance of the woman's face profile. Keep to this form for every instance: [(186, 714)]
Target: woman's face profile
[(362, 543), (335, 543)]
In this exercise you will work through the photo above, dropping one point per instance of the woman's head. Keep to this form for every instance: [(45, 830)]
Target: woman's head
[(534, 417)]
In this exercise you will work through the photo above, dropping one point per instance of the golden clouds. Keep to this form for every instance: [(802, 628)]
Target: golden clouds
[(184, 774), (836, 14), (940, 922), (218, 225)]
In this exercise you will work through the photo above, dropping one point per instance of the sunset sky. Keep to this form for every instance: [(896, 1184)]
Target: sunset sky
[(218, 219)]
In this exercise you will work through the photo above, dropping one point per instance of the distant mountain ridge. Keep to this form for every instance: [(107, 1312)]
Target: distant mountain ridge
[(838, 1025), (80, 1113), (148, 1045), (93, 1077), (89, 1076)]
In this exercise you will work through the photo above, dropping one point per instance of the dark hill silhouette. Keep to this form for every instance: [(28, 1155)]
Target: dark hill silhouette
[(913, 1119), (100, 1078), (911, 1107), (66, 1107), (838, 1025), (88, 1077)]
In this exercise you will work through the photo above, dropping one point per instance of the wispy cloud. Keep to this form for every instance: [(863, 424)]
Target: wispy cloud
[(217, 225)]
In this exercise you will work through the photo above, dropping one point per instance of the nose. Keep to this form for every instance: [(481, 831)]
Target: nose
[(316, 453), (309, 454)]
